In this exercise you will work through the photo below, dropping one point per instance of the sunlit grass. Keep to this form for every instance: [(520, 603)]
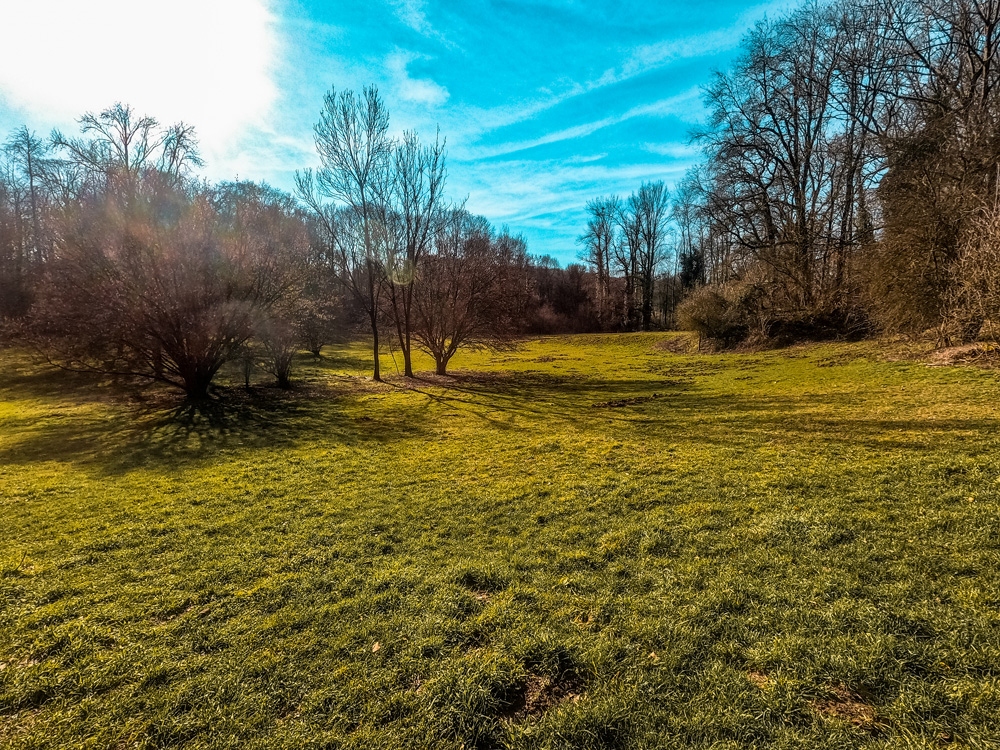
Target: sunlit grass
[(588, 542)]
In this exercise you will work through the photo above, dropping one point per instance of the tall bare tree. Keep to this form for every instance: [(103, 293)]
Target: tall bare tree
[(625, 252), (118, 147), (650, 205), (598, 242), (355, 153), (416, 204), (468, 295)]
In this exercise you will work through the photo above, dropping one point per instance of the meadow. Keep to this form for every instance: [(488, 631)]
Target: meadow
[(587, 542)]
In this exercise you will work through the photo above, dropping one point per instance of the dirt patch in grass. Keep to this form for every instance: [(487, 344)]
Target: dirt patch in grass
[(555, 358), (677, 345), (456, 377), (846, 705), (539, 694), (759, 679), (838, 360)]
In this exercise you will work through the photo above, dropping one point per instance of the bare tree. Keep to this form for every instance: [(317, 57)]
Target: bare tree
[(29, 155), (598, 241), (650, 206), (118, 147), (467, 296), (355, 153), (625, 252), (415, 202), (26, 208), (279, 342), (168, 290)]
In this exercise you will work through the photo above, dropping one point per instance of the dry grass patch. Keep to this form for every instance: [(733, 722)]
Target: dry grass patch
[(846, 705)]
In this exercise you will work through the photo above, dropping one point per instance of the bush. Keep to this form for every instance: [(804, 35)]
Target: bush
[(746, 311), (727, 314)]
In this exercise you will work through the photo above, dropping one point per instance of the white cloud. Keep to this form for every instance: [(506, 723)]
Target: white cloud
[(408, 89), (413, 15), (209, 63), (411, 12), (680, 151), (680, 104)]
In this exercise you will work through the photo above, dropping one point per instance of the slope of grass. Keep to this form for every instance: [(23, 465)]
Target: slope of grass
[(589, 542)]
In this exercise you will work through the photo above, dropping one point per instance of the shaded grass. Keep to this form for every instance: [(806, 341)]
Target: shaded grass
[(544, 554)]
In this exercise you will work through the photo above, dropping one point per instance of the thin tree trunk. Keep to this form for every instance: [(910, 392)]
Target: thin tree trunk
[(405, 343), (377, 374)]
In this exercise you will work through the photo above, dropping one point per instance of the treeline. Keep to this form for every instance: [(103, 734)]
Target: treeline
[(116, 258), (849, 185), (849, 182)]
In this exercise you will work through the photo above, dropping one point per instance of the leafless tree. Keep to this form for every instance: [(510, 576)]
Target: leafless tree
[(26, 226), (279, 342), (625, 253), (650, 205), (355, 152), (415, 208), (118, 147), (468, 292), (167, 290), (598, 242)]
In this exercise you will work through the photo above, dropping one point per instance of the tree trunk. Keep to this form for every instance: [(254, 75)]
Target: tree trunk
[(407, 348), (377, 374), (647, 304), (407, 364), (406, 344), (196, 387)]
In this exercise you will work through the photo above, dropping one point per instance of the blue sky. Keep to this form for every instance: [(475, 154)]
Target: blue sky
[(544, 104)]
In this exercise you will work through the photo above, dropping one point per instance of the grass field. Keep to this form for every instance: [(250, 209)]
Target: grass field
[(590, 542)]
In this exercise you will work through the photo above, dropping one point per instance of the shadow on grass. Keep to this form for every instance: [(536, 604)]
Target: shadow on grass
[(662, 410), (181, 432), (676, 410), (29, 376), (334, 362)]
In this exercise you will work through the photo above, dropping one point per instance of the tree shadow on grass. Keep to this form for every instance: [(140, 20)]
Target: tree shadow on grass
[(677, 411), (261, 421), (30, 376), (543, 396), (174, 433)]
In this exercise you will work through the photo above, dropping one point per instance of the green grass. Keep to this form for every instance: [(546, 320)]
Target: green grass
[(589, 542)]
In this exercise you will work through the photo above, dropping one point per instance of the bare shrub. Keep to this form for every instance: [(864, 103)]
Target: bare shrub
[(974, 303), (167, 289), (727, 314)]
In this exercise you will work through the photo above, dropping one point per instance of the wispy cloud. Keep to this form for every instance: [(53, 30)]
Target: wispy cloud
[(413, 13), (673, 150), (538, 193), (638, 61), (410, 89), (672, 105)]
